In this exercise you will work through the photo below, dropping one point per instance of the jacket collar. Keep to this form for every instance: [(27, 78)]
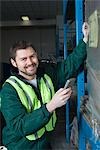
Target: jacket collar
[(40, 73)]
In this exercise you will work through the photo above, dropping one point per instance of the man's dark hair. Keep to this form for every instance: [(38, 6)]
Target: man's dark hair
[(19, 45)]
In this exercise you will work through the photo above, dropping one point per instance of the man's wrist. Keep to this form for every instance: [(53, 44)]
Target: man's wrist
[(85, 39), (50, 107)]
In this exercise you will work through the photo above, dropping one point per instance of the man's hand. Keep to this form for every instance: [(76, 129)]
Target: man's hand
[(59, 99), (85, 30)]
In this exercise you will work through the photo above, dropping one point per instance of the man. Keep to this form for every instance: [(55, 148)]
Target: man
[(28, 101)]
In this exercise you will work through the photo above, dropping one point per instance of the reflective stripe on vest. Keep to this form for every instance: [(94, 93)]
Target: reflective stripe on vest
[(30, 101), (46, 82)]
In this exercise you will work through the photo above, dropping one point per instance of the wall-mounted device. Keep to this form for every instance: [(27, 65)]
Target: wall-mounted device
[(94, 29)]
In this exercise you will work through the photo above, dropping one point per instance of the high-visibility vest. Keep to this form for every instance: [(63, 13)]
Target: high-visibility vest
[(31, 102)]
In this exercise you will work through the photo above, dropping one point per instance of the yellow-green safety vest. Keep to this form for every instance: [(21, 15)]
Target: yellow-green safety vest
[(30, 101)]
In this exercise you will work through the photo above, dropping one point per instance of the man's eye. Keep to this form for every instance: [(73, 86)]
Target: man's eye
[(33, 56), (23, 59)]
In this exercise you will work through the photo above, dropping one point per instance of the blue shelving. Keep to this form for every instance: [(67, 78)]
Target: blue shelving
[(86, 135), (80, 78), (65, 56)]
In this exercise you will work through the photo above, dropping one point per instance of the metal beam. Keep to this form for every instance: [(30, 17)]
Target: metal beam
[(79, 35), (46, 22)]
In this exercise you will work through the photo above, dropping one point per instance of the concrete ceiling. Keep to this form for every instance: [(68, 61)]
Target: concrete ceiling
[(12, 10)]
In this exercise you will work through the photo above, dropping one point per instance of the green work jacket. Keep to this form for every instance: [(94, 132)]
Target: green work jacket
[(20, 123)]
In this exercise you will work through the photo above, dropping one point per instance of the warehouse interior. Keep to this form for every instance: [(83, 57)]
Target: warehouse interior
[(54, 28)]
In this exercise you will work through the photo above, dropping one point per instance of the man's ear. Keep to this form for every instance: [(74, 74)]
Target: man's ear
[(13, 62)]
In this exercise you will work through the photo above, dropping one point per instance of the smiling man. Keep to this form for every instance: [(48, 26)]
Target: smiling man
[(26, 59), (28, 99)]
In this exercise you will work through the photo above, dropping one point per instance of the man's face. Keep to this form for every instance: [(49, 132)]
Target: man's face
[(27, 62)]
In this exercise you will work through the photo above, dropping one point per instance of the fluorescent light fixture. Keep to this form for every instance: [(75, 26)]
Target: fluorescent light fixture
[(25, 18)]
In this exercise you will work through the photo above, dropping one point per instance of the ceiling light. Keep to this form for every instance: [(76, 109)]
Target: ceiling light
[(25, 18)]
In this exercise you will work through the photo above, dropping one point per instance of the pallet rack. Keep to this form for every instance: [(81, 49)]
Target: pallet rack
[(86, 134)]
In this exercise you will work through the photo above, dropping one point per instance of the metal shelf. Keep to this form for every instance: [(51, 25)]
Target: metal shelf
[(87, 139), (86, 135)]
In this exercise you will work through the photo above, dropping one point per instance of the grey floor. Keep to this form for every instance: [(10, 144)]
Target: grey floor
[(58, 137)]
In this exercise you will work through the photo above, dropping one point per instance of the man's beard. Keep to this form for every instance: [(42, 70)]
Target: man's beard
[(35, 66)]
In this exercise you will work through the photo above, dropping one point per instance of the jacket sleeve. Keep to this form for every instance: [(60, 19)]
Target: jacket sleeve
[(69, 67), (16, 117)]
